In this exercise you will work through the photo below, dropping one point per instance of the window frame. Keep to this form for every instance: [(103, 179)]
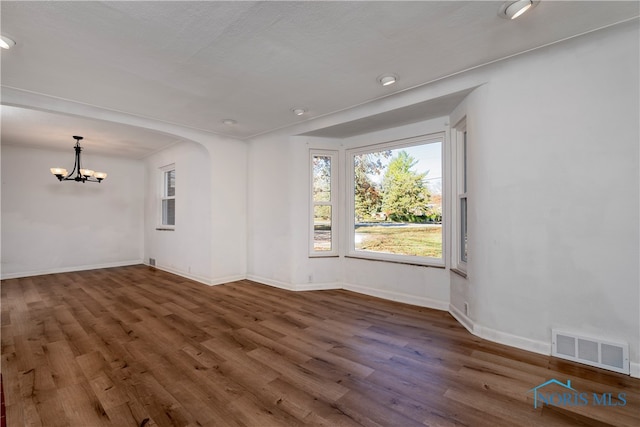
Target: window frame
[(461, 189), (439, 136), (164, 196), (333, 203)]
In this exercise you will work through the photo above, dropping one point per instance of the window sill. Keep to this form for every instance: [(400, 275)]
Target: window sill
[(396, 262), (459, 272), (165, 229)]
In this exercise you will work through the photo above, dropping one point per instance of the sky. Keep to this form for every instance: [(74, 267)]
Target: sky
[(429, 157)]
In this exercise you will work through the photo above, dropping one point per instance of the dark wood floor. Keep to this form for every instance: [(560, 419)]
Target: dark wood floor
[(135, 346)]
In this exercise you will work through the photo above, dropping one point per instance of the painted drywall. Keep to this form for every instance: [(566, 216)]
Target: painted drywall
[(553, 135), (186, 249), (50, 226), (208, 242), (228, 175), (269, 243), (227, 181), (553, 204), (279, 224), (554, 192)]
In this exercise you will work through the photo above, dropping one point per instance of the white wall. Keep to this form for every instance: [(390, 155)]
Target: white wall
[(228, 165), (279, 209), (208, 243), (50, 226), (187, 248), (553, 199), (554, 194), (224, 186), (269, 242)]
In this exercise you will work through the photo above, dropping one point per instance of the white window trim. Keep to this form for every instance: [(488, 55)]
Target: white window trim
[(334, 203), (458, 160), (350, 221), (161, 198)]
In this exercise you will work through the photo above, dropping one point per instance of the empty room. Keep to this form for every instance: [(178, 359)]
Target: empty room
[(327, 213)]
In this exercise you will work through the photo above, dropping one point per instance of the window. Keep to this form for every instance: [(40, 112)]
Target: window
[(323, 203), (168, 204), (461, 239), (395, 199)]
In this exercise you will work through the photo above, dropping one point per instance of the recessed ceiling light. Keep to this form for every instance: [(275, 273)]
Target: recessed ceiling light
[(298, 111), (6, 42), (387, 79), (514, 9), (229, 122)]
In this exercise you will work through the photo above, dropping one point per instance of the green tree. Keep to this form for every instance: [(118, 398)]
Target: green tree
[(321, 178), (368, 199), (405, 195)]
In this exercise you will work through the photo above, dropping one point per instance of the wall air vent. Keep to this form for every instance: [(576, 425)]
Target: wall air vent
[(152, 262), (590, 351)]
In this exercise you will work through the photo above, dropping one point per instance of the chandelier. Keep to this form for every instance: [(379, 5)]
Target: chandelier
[(81, 175)]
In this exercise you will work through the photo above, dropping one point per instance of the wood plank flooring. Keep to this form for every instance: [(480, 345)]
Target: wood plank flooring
[(135, 346)]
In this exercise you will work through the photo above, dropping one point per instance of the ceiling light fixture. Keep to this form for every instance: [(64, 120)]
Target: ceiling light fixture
[(298, 111), (82, 175), (6, 42), (387, 79), (514, 9), (229, 122)]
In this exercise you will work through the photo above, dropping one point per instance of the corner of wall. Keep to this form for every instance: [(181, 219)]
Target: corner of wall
[(635, 369), (210, 281), (461, 318), (500, 337)]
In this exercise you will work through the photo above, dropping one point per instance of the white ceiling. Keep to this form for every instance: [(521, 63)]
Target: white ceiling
[(197, 63), (26, 127)]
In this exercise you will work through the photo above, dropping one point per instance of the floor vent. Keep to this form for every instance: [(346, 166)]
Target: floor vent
[(590, 351), (152, 262)]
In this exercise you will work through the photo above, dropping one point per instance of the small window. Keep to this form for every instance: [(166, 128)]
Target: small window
[(461, 240), (463, 202), (323, 203), (168, 207)]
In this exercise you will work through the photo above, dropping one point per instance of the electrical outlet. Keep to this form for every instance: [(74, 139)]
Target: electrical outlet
[(311, 278), (466, 308)]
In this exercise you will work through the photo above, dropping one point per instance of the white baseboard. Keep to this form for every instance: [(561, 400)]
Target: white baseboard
[(461, 318), (505, 338), (270, 282), (399, 297), (294, 286), (393, 296), (201, 279), (635, 369), (227, 279), (70, 269), (500, 337), (317, 286)]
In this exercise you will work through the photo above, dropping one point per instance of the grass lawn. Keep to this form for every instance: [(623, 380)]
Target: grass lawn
[(405, 240)]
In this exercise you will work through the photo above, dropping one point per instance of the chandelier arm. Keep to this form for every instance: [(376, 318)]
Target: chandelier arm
[(77, 168)]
